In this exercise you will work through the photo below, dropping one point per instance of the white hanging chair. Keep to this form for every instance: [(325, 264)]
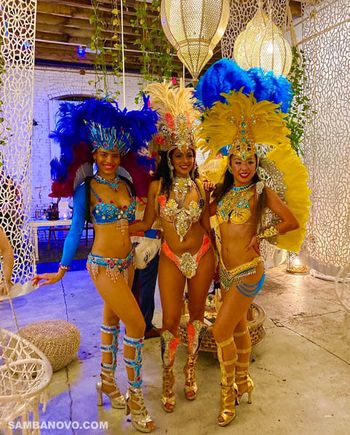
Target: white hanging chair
[(25, 372)]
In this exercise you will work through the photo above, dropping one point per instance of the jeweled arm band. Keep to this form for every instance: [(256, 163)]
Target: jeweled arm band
[(268, 233)]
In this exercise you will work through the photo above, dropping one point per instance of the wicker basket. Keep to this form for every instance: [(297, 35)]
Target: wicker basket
[(57, 339), (256, 318)]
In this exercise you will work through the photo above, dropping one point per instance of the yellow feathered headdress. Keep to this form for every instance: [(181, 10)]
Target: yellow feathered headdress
[(243, 125), (247, 127), (177, 116)]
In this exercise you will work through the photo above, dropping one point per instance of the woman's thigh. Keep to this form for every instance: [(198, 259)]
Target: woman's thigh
[(120, 300), (171, 287), (198, 286)]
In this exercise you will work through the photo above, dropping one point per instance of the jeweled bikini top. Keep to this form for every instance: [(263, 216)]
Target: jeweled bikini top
[(107, 213), (181, 217), (234, 206)]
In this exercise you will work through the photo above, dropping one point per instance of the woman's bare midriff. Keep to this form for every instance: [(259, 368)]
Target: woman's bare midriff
[(192, 241), (110, 241), (235, 238)]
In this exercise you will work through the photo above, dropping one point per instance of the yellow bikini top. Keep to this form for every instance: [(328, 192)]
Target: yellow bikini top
[(234, 206)]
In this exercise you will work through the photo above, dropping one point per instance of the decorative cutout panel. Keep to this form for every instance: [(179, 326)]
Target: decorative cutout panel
[(17, 33), (326, 36)]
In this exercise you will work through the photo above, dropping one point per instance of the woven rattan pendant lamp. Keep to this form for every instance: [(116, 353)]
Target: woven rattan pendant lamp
[(194, 27)]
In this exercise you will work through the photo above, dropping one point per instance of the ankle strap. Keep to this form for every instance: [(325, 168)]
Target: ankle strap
[(108, 375)]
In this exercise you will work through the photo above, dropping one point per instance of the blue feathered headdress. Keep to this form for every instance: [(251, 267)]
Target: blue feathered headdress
[(226, 75), (84, 127)]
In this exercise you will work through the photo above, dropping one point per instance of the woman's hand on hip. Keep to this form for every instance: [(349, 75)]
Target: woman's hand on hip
[(254, 243)]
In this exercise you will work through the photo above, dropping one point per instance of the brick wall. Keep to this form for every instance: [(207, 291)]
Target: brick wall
[(50, 84)]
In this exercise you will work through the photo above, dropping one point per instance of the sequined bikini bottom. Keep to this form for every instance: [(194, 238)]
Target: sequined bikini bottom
[(114, 266), (236, 275), (186, 262)]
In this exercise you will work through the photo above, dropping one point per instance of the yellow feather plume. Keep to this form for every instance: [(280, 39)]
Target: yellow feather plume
[(222, 124), (297, 194)]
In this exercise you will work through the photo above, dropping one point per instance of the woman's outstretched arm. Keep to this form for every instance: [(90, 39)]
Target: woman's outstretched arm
[(72, 240)]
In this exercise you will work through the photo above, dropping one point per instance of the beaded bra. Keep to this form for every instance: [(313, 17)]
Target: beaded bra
[(234, 206), (181, 217), (106, 213)]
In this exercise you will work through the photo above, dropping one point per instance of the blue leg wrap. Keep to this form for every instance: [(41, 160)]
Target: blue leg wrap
[(112, 348), (136, 363), (251, 290)]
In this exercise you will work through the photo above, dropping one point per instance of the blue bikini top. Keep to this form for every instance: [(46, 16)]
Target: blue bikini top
[(107, 213)]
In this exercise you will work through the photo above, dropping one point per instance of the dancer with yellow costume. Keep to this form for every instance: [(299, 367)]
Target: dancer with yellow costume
[(262, 195)]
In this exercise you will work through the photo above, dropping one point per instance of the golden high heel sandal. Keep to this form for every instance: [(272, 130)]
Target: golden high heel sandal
[(228, 386), (108, 370), (169, 344), (116, 398), (195, 334), (244, 382), (140, 418)]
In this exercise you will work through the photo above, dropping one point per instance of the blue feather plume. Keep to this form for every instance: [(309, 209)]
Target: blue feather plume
[(73, 130), (226, 75)]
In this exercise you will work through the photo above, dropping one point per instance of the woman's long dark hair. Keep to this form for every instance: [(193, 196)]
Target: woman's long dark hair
[(222, 188), (163, 171)]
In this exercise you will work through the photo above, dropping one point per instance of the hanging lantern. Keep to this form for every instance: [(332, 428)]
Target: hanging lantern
[(242, 50), (262, 45), (194, 27), (272, 52)]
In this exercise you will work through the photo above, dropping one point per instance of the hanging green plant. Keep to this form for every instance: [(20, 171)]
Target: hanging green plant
[(97, 46), (108, 59), (158, 57), (301, 112), (115, 51)]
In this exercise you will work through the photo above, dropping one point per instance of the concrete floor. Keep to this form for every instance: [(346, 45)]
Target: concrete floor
[(301, 369)]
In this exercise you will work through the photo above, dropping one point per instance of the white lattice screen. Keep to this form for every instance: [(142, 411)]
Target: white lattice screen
[(17, 32), (326, 43)]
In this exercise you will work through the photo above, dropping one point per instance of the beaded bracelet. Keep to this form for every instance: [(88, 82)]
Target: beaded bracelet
[(268, 233), (64, 268)]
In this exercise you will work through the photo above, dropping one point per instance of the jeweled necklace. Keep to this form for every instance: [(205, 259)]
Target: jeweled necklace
[(242, 188), (181, 187), (113, 184)]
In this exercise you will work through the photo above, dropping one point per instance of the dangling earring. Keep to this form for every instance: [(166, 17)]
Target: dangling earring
[(171, 167), (193, 171)]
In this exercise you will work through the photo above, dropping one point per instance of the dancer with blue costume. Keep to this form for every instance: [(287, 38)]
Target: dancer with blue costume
[(98, 131), (262, 195)]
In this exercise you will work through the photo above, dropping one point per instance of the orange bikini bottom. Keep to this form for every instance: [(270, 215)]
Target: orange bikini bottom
[(186, 262)]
